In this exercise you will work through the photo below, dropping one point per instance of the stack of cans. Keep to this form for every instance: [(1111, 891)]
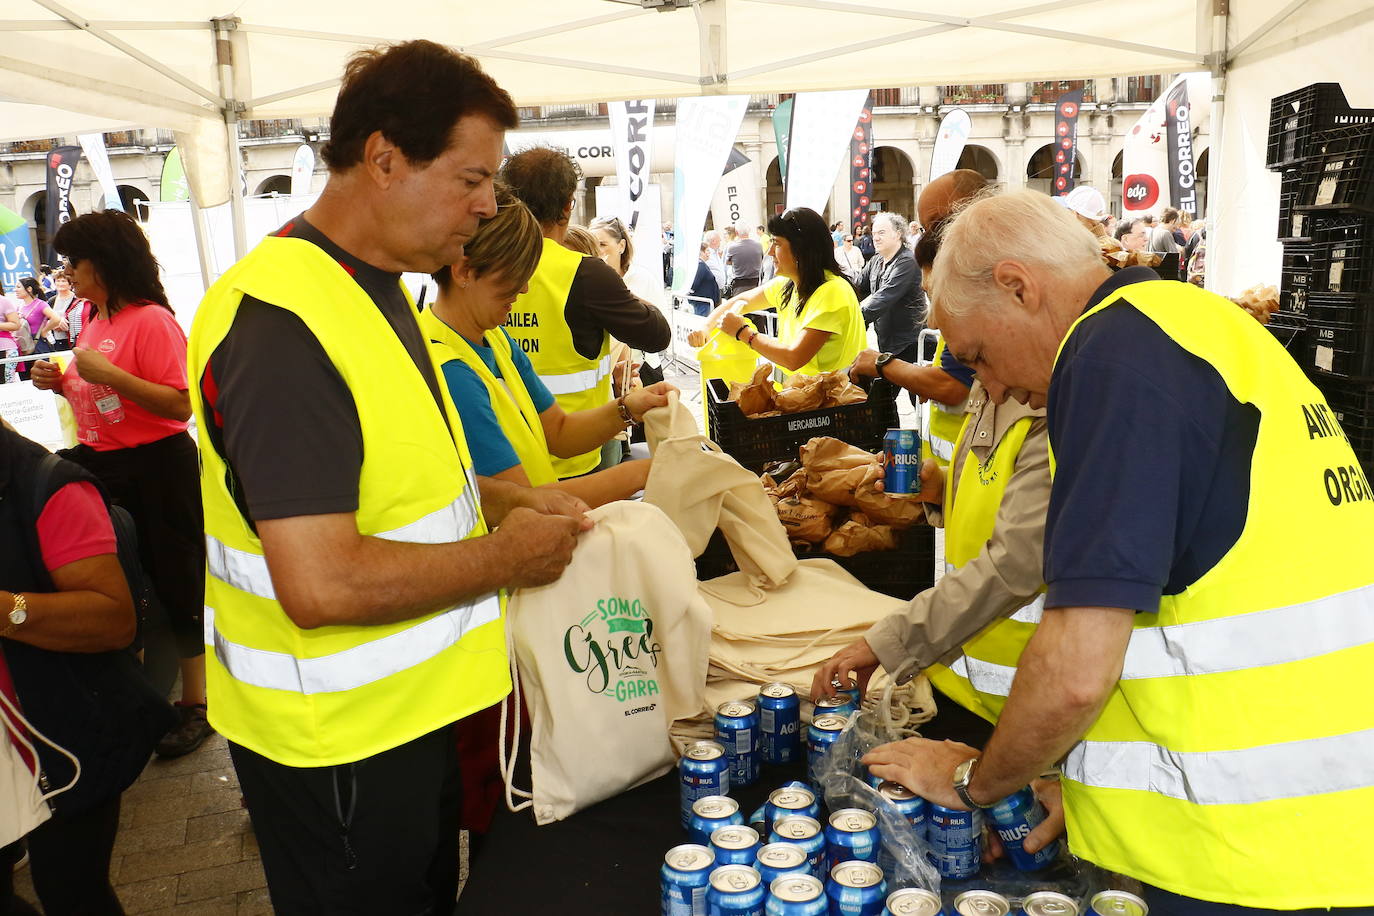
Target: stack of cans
[(779, 723), (913, 901), (797, 895), (704, 771), (711, 813), (856, 889), (737, 730)]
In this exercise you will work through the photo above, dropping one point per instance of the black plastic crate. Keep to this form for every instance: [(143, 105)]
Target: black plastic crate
[(1342, 259), (755, 442), (1337, 176), (1291, 332), (1296, 117), (1353, 405), (1341, 334), (901, 573), (1296, 278), (1292, 223)]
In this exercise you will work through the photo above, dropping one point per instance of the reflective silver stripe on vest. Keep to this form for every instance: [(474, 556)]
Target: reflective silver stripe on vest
[(941, 448), (994, 680), (1254, 640), (574, 382), (248, 572), (1339, 763), (355, 667)]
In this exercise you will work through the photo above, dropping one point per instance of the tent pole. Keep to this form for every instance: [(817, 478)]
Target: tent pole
[(202, 243), (224, 57), (1216, 160)]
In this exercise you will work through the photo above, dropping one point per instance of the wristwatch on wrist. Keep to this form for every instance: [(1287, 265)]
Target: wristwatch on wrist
[(963, 775), (881, 362), (17, 615)]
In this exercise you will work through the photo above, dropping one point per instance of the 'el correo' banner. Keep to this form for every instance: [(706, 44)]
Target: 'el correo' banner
[(822, 123), (61, 172), (632, 133), (706, 133), (737, 196), (1150, 181)]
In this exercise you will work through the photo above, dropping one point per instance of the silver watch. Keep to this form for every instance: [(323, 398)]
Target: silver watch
[(963, 775)]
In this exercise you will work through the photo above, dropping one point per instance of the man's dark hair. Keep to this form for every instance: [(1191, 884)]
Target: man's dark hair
[(414, 93), (1170, 215), (1124, 228), (545, 179), (928, 246), (119, 252)]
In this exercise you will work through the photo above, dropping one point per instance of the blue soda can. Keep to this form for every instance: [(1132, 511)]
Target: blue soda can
[(902, 474), (856, 889), (822, 733), (735, 890), (1014, 817), (803, 831), (779, 724), (684, 877), (1049, 903), (737, 730), (981, 903), (711, 813), (874, 781), (852, 836), (955, 838), (840, 704), (703, 770), (913, 901), (777, 859), (791, 800), (1118, 903), (911, 805), (735, 845), (849, 687), (797, 895)]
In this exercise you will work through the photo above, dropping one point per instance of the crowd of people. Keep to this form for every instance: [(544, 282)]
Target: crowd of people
[(370, 482)]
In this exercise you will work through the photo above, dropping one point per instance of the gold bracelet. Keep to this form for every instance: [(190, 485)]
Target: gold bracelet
[(625, 416)]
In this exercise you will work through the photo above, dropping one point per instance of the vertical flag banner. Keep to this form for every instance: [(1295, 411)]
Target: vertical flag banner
[(782, 135), (93, 145), (632, 135), (706, 129), (861, 166), (173, 185), (737, 196), (1151, 162), (1179, 136), (302, 170), (16, 256), (61, 170), (822, 124), (1066, 140), (949, 143)]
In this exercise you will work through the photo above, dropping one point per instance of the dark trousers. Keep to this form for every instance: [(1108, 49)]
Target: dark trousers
[(376, 836), (742, 285), (907, 355), (69, 861), (1164, 903)]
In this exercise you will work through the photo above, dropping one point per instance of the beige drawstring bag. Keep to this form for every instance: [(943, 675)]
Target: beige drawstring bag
[(607, 657)]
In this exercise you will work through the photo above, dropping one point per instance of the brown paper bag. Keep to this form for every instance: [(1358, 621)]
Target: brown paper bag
[(840, 391), (757, 396), (835, 469), (806, 518), (858, 534), (802, 392), (901, 513)]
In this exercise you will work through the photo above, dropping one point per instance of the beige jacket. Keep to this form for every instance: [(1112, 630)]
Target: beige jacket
[(1003, 577)]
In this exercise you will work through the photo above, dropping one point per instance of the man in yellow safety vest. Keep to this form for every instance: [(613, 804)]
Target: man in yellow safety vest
[(1201, 665), (575, 303), (355, 598)]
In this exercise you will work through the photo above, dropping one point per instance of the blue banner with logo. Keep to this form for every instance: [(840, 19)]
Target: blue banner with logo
[(16, 251)]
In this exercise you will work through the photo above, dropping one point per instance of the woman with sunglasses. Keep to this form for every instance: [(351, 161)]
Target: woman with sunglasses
[(820, 328)]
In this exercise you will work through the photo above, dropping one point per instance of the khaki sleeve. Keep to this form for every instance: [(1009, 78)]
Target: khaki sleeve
[(1003, 577)]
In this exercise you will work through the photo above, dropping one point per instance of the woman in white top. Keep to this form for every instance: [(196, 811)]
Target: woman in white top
[(851, 259), (617, 250)]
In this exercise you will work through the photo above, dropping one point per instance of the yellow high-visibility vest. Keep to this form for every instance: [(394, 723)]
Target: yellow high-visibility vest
[(337, 694), (1234, 760), (538, 325), (980, 679), (945, 422), (510, 402)]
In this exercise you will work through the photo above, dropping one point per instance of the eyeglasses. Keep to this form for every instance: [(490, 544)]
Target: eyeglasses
[(849, 238)]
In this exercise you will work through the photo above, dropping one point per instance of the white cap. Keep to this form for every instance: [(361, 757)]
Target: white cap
[(1087, 202)]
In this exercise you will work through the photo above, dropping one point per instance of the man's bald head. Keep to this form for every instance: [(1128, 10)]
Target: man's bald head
[(944, 194)]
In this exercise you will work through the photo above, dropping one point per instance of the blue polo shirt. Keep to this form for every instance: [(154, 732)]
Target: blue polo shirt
[(491, 451), (1153, 453)]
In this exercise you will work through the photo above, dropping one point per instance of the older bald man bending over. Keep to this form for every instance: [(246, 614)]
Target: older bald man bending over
[(1202, 673)]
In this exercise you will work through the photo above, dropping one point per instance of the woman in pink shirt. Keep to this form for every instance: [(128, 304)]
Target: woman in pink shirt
[(127, 387)]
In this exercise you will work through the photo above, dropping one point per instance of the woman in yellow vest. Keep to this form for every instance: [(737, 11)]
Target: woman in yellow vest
[(512, 423), (820, 327)]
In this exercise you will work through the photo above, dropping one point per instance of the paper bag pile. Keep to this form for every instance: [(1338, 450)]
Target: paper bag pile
[(1117, 257), (758, 398), (1260, 301)]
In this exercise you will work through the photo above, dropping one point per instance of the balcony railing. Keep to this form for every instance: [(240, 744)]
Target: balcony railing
[(975, 94), (1140, 88), (1049, 91), (904, 97), (30, 146)]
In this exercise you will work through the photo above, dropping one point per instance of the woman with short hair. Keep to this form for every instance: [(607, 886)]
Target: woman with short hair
[(128, 391)]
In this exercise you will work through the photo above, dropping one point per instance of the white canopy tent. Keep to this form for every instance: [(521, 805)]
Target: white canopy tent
[(184, 66)]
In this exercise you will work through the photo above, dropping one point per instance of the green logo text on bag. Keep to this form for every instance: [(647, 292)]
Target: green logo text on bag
[(614, 646)]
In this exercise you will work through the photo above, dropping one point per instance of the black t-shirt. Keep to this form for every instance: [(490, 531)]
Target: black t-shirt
[(1152, 486), (599, 300), (281, 414)]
